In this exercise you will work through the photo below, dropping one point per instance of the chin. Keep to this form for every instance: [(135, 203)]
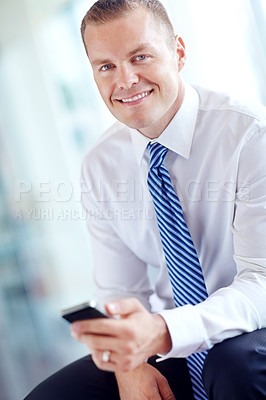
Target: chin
[(137, 123)]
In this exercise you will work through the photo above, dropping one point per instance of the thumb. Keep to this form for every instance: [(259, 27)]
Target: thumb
[(164, 389), (124, 307)]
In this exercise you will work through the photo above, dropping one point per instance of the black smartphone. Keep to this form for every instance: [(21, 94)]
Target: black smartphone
[(82, 311)]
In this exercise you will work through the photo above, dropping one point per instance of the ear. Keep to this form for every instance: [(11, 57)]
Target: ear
[(181, 52)]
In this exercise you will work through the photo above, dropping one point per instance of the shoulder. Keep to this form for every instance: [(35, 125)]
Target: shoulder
[(113, 137), (112, 141), (223, 103), (229, 118), (110, 152)]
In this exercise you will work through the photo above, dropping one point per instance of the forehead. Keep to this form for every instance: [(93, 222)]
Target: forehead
[(122, 35)]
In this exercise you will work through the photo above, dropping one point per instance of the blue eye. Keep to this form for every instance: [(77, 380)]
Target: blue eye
[(140, 58), (106, 67)]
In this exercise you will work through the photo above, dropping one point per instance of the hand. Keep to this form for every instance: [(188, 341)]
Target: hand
[(143, 383), (131, 339)]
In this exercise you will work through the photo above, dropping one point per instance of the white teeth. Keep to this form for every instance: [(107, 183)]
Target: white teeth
[(135, 97)]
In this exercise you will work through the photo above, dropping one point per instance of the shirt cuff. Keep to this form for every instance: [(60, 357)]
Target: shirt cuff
[(186, 331)]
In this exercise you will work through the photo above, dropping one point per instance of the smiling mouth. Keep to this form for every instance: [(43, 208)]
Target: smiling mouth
[(137, 97)]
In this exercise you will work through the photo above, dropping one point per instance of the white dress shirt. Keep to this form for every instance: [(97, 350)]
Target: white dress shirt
[(217, 163)]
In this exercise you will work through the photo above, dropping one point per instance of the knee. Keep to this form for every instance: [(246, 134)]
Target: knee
[(49, 390), (233, 370)]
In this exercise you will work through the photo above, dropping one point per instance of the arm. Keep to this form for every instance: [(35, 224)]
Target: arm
[(123, 275), (240, 307), (118, 272), (144, 382)]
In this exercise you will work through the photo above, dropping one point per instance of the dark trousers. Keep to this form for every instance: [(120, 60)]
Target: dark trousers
[(234, 370)]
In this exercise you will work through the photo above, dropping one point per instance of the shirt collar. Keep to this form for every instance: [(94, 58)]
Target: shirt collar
[(178, 135)]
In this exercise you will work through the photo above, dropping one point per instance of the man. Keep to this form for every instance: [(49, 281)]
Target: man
[(209, 153)]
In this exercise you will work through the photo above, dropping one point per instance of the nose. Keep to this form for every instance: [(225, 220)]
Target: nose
[(126, 77)]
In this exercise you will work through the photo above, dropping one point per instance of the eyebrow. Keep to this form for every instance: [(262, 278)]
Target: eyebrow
[(142, 47)]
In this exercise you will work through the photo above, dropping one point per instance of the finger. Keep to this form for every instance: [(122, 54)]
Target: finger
[(114, 364), (99, 326), (101, 343), (124, 307), (123, 353), (104, 327), (97, 357)]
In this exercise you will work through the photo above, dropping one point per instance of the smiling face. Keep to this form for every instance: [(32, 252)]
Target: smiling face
[(136, 70)]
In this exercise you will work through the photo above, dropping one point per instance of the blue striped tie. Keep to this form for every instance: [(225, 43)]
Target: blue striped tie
[(180, 254)]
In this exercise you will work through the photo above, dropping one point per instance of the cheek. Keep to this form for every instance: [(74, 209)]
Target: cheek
[(104, 89), (165, 77), (170, 85)]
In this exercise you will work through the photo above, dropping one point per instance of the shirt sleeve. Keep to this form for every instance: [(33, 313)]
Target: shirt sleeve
[(240, 307), (118, 272)]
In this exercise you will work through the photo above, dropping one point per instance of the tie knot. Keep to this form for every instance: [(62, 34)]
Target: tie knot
[(157, 154)]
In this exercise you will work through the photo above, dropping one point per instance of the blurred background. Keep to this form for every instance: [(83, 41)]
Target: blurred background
[(50, 114)]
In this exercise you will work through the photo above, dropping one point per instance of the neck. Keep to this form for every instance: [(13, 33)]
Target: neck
[(156, 130)]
